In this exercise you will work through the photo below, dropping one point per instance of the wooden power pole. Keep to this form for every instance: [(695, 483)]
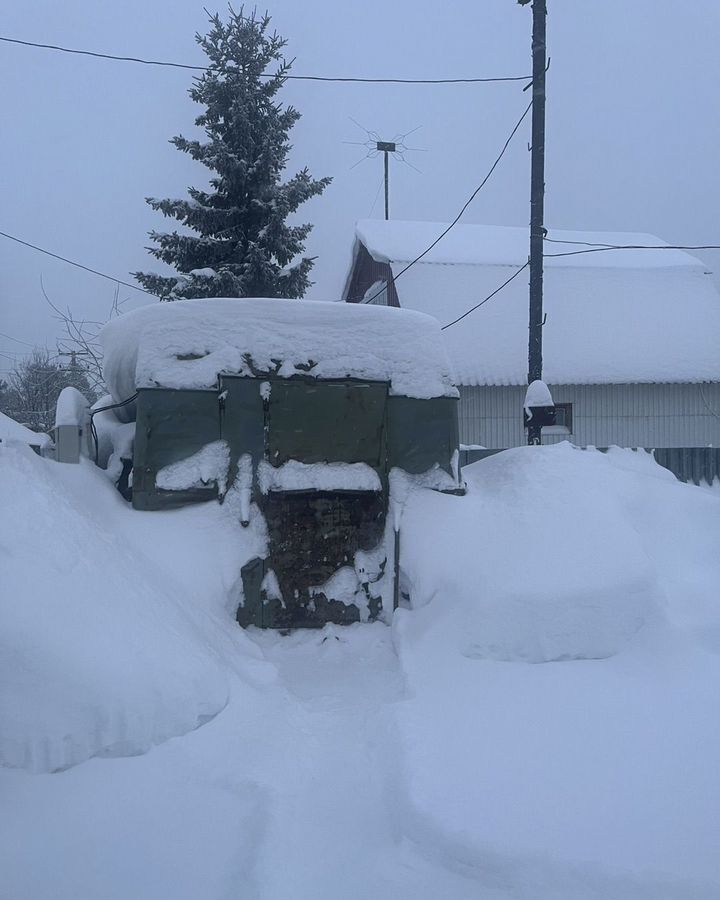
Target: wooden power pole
[(537, 201)]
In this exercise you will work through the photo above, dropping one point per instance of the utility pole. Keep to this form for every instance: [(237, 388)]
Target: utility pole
[(386, 147), (537, 202)]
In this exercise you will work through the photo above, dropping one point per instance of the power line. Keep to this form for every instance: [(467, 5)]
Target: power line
[(76, 264), (634, 246), (457, 218), (345, 79), (593, 248), (394, 278), (603, 248), (11, 338), (489, 297)]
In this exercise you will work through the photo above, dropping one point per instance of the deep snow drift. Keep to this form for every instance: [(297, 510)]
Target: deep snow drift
[(13, 432), (606, 570), (542, 724), (549, 565), (104, 650)]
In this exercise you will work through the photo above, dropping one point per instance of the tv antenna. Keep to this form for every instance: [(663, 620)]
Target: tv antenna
[(375, 145)]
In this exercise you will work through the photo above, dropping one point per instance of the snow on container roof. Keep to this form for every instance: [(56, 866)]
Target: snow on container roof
[(642, 316), (188, 343)]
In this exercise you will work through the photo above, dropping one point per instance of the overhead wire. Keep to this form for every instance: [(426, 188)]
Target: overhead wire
[(155, 62), (326, 78), (394, 278), (457, 218), (99, 409), (489, 297), (78, 265), (592, 248), (604, 248), (11, 338)]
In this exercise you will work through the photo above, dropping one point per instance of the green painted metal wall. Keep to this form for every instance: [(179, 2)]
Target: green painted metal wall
[(311, 533), (309, 419), (422, 433), (170, 426)]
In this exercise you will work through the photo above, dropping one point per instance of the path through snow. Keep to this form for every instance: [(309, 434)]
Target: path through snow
[(331, 829), (294, 792)]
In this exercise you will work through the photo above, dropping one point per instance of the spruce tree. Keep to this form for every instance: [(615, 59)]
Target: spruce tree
[(242, 246)]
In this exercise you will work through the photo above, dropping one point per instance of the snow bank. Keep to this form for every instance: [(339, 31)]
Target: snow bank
[(587, 774), (429, 772), (10, 430), (539, 566), (186, 344), (104, 648)]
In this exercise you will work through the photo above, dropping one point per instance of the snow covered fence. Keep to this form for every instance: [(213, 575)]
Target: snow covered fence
[(691, 464)]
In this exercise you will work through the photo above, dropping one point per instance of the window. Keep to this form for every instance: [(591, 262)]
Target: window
[(563, 416)]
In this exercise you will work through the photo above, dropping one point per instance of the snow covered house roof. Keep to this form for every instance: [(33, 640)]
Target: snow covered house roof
[(10, 430), (624, 316), (188, 343)]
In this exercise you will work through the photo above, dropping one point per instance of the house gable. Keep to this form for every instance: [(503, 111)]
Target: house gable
[(366, 272)]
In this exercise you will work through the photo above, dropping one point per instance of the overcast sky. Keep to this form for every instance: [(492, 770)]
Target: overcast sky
[(633, 128)]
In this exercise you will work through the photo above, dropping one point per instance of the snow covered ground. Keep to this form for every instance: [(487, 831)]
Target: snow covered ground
[(12, 431), (543, 724)]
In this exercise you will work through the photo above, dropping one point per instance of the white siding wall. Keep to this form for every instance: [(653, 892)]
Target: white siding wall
[(628, 415)]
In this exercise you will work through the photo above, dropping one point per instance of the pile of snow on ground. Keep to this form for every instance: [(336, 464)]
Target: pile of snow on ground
[(10, 430), (541, 562), (542, 724), (561, 664), (102, 651)]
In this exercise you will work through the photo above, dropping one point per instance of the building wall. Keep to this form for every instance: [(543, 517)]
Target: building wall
[(626, 415)]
